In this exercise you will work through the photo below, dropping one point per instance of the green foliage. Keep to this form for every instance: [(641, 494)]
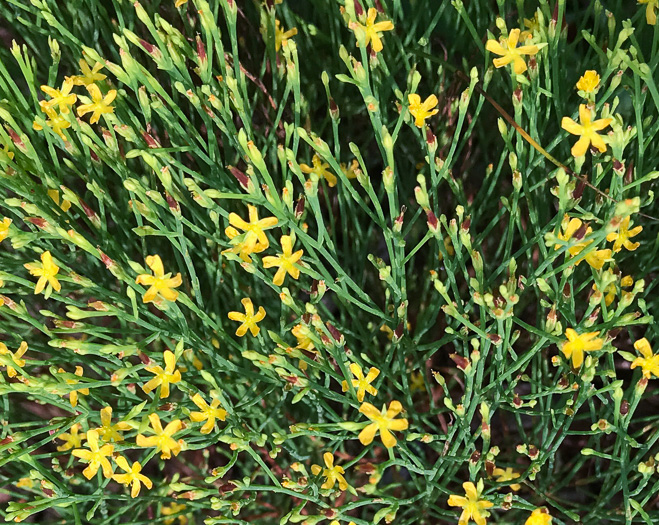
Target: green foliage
[(436, 254)]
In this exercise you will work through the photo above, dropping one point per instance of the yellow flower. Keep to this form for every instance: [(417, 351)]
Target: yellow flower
[(303, 335), (163, 377), (649, 362), (509, 52), (539, 516), (577, 344), (281, 36), (24, 483), (7, 152), (321, 169), (372, 30), (332, 473), (383, 421), (362, 384), (589, 82), (62, 99), (89, 76), (507, 474), (174, 508), (179, 3), (650, 10), (473, 508), (611, 290), (55, 121), (254, 240), (285, 262), (132, 477), (587, 130), (99, 104), (622, 236), (595, 258), (208, 413), (248, 319), (160, 282), (107, 430), (350, 170), (95, 456), (73, 395), (162, 440), (8, 358), (336, 522), (54, 195), (421, 110), (46, 271), (71, 439)]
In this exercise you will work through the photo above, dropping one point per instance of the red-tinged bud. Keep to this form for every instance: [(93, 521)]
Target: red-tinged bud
[(201, 50), (9, 303), (144, 358), (240, 176), (48, 492), (581, 232), (227, 487), (461, 362), (109, 263), (378, 6), (624, 408), (554, 16), (333, 109), (533, 65), (359, 10), (38, 222), (6, 441), (150, 141), (91, 214), (299, 207), (398, 333), (16, 139), (167, 407), (618, 167), (466, 224), (151, 49), (94, 156), (533, 451), (306, 318), (431, 140), (489, 468), (475, 457), (335, 333), (172, 203), (495, 338), (67, 324), (517, 401), (567, 292), (433, 223), (330, 513), (578, 191), (398, 222), (518, 95)]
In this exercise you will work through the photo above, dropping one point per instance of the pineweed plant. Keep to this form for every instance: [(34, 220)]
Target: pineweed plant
[(338, 262)]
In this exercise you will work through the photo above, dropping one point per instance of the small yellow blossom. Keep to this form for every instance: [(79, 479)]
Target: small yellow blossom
[(72, 439), (179, 3), (421, 110), (46, 270), (611, 290), (372, 30), (8, 358), (55, 121), (54, 195), (73, 395), (350, 170), (254, 240), (649, 363), (532, 25), (650, 10), (473, 508), (539, 516), (133, 476), (622, 236), (165, 377), (208, 413), (174, 508), (89, 76), (62, 99), (332, 473), (303, 333), (281, 36), (162, 440), (507, 474), (336, 522), (160, 282), (109, 432), (362, 384), (95, 456), (25, 483), (4, 228), (321, 169), (284, 262), (509, 51), (383, 421), (8, 152), (577, 344), (589, 82), (595, 258), (587, 130), (248, 319), (99, 104)]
